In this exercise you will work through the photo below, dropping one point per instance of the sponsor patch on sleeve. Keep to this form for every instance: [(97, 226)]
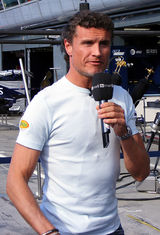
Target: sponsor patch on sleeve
[(24, 124)]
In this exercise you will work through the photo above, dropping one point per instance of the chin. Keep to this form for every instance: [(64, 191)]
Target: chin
[(98, 71), (90, 74)]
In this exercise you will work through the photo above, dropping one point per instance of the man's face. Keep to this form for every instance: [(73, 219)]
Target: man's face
[(89, 51)]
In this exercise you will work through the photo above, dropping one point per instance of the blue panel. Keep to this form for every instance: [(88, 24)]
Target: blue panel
[(138, 59)]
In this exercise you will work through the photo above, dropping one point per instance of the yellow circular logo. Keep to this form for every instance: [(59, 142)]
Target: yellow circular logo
[(24, 124)]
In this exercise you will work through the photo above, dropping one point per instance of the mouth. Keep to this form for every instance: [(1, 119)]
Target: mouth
[(96, 62)]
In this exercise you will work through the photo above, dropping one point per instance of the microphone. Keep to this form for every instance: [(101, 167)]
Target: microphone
[(116, 79), (102, 90)]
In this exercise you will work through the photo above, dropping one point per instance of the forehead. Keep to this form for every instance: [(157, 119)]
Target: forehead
[(92, 33)]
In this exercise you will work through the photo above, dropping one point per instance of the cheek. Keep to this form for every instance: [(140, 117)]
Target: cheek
[(106, 55), (107, 52), (79, 56)]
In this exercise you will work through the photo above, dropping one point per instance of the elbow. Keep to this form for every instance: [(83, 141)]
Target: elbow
[(11, 185), (144, 171), (143, 174), (141, 177)]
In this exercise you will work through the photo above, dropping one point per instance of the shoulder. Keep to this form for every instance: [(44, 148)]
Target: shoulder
[(123, 98), (49, 94), (119, 90), (52, 89), (121, 95)]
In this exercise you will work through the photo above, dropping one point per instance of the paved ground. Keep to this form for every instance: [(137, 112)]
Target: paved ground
[(139, 211)]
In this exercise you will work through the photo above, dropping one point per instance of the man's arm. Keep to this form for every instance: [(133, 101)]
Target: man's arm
[(22, 165), (135, 156)]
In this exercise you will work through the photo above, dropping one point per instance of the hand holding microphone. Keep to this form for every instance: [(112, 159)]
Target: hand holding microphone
[(102, 90)]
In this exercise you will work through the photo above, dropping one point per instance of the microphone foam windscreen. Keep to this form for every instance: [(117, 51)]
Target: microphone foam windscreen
[(116, 79), (102, 87)]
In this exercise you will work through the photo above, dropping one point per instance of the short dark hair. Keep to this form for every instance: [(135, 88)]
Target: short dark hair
[(86, 19)]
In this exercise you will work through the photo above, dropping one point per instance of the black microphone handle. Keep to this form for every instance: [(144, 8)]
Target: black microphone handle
[(150, 141), (105, 130)]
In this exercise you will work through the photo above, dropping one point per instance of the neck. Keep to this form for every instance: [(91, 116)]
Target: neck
[(79, 80)]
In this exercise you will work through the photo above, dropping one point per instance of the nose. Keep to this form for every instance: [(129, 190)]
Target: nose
[(96, 50)]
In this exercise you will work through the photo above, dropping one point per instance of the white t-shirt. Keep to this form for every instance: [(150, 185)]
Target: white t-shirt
[(80, 175)]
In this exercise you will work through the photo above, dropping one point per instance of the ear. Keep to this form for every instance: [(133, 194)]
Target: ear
[(68, 47)]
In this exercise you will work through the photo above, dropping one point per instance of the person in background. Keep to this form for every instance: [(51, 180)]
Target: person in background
[(62, 126)]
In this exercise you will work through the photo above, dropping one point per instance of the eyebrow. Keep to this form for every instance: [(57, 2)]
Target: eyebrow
[(87, 40), (105, 41)]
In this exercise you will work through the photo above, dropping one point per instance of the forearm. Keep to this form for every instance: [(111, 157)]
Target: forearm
[(135, 157), (23, 199)]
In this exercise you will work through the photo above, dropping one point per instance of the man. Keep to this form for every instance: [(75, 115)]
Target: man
[(62, 126)]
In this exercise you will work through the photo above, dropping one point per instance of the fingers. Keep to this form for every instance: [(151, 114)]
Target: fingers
[(111, 113), (114, 121)]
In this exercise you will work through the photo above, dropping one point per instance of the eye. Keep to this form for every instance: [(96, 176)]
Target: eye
[(105, 43), (87, 42)]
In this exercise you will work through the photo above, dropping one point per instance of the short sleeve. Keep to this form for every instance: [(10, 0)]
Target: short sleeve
[(34, 124), (130, 114), (123, 98)]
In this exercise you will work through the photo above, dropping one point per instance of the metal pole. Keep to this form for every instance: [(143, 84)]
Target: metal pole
[(28, 99), (144, 110), (1, 58), (39, 193), (3, 4), (24, 80), (28, 54)]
